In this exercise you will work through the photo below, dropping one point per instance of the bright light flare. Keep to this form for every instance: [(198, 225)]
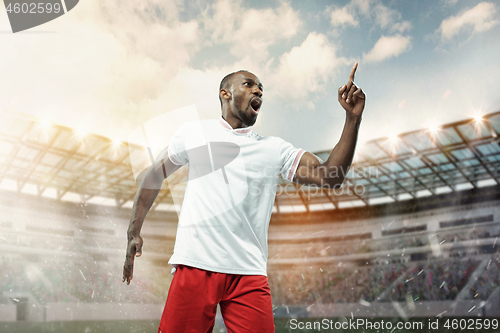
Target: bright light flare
[(116, 143), (80, 133), (393, 144), (45, 123), (480, 126), (434, 128), (393, 138)]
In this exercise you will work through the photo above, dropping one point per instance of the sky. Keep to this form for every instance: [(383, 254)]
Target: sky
[(106, 67)]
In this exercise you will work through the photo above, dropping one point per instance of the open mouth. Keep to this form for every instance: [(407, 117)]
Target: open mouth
[(256, 104)]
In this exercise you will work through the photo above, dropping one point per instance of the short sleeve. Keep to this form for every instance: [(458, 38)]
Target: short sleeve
[(290, 158), (177, 147)]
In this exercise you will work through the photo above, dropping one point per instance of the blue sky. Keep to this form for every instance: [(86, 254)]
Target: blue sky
[(106, 67)]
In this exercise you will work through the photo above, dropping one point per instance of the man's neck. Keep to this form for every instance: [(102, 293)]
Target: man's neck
[(234, 122)]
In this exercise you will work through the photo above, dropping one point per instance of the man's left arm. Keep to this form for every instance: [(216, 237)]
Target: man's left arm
[(332, 172)]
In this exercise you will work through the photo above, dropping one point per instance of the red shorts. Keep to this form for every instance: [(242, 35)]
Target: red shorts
[(245, 302)]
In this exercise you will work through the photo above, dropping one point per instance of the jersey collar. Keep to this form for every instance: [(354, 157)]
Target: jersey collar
[(226, 125)]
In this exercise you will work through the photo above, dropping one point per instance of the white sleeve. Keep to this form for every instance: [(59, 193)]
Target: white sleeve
[(177, 148), (290, 158)]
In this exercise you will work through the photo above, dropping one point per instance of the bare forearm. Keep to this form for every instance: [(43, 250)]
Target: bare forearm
[(338, 163), (144, 199), (142, 203)]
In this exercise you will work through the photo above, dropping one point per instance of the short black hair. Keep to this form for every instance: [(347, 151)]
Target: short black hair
[(226, 82)]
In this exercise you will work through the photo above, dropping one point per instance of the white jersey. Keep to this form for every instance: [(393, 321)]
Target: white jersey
[(233, 176)]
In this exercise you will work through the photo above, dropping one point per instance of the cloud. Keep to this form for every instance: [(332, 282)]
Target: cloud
[(115, 64), (389, 19), (248, 31), (468, 22), (383, 16), (388, 47), (305, 68), (102, 65), (400, 27), (342, 17)]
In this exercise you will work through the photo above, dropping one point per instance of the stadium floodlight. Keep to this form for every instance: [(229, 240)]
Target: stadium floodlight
[(80, 133), (45, 123), (434, 128), (394, 138), (116, 143), (478, 118)]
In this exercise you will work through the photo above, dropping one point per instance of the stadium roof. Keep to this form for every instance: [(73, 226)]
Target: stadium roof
[(60, 162), (449, 158), (56, 161)]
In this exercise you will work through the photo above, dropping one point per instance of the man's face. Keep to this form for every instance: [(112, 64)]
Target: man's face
[(246, 97)]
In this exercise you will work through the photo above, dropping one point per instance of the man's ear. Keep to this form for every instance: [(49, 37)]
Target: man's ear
[(225, 94)]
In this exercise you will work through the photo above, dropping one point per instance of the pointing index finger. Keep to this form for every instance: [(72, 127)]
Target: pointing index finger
[(353, 70)]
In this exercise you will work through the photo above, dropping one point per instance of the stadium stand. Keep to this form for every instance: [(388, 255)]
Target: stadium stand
[(488, 281)]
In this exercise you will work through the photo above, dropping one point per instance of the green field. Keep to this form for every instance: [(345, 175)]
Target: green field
[(282, 325)]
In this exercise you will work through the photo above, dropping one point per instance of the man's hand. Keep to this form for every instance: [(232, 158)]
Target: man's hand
[(351, 97), (134, 248)]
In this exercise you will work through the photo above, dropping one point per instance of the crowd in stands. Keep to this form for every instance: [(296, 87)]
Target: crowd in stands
[(426, 281), (488, 281), (101, 282), (365, 284), (331, 285), (24, 277), (433, 281), (298, 287), (79, 280), (85, 281)]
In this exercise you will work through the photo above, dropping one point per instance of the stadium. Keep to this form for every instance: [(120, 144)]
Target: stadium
[(411, 235)]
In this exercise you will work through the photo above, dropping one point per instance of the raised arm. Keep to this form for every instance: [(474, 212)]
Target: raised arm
[(146, 194), (333, 171)]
